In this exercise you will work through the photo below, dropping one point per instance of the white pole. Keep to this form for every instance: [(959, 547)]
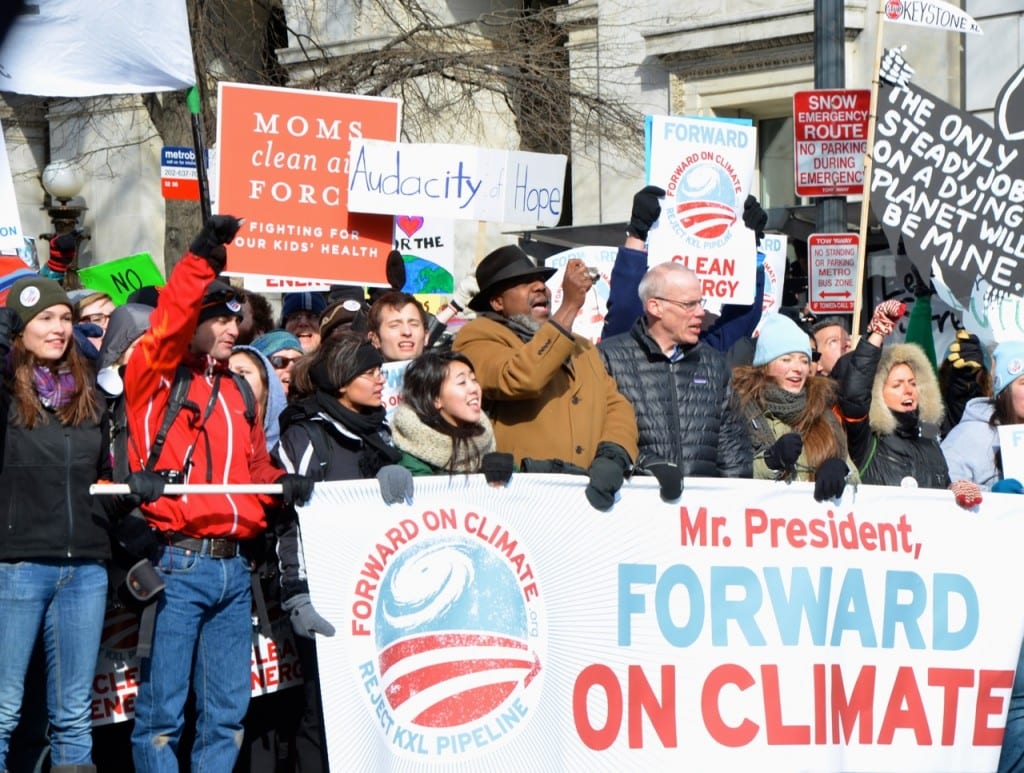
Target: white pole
[(105, 489)]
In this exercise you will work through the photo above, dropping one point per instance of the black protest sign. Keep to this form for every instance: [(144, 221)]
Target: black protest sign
[(953, 187)]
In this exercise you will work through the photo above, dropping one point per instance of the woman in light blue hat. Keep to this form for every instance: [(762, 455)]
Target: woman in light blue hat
[(788, 411), (972, 452)]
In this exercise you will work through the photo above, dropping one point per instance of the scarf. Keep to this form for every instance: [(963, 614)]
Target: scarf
[(435, 448), (369, 426), (784, 406), (524, 333), (908, 424), (54, 389)]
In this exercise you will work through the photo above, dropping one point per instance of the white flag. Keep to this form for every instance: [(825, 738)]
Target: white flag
[(69, 48), (930, 13)]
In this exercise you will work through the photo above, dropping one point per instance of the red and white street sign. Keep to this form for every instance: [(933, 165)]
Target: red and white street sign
[(830, 139), (832, 272)]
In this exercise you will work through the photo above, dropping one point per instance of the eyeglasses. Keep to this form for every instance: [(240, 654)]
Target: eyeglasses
[(684, 305), (281, 362), (374, 374), (97, 319)]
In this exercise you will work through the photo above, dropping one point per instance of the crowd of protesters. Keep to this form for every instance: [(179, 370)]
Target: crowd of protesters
[(197, 383)]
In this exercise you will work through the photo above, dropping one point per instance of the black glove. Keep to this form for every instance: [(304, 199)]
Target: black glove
[(830, 479), (394, 270), (922, 287), (209, 244), (63, 249), (133, 532), (669, 476), (497, 467), (556, 466), (607, 473), (295, 489), (966, 354), (146, 486), (784, 452), (646, 211), (10, 325), (754, 217)]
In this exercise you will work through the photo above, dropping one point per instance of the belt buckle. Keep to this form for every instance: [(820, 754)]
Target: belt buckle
[(222, 548)]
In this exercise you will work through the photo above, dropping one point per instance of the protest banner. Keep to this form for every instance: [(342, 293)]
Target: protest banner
[(275, 663), (774, 247), (282, 157), (706, 167), (259, 283), (461, 182), (744, 627), (120, 278), (428, 249), (12, 268), (590, 318), (391, 397)]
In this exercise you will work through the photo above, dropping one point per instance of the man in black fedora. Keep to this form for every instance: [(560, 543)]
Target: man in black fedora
[(547, 392)]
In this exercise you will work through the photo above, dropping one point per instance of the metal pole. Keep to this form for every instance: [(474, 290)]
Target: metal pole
[(829, 73)]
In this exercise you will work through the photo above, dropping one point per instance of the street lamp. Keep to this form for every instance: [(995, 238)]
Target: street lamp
[(63, 180)]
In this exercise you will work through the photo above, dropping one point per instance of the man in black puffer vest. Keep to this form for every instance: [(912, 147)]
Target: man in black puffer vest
[(679, 386)]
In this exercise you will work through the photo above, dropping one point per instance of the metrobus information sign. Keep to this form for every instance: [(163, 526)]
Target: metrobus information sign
[(830, 139), (832, 272)]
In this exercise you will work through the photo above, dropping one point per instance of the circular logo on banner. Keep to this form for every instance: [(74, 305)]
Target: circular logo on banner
[(893, 9), (457, 634), (1014, 367), (704, 202), (234, 306)]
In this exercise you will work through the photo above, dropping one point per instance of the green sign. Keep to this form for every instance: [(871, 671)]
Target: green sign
[(120, 278)]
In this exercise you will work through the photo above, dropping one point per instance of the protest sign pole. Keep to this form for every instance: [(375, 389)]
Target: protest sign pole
[(120, 489), (865, 204), (197, 140)]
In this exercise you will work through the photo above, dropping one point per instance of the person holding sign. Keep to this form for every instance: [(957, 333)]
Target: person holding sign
[(892, 410), (788, 412), (549, 392), (972, 451), (336, 430), (53, 579), (677, 384), (440, 425)]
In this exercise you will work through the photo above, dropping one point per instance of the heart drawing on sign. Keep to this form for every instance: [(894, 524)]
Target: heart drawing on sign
[(410, 225)]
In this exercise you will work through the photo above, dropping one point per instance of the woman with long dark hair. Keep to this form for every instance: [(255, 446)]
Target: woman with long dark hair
[(53, 578), (440, 425), (788, 412)]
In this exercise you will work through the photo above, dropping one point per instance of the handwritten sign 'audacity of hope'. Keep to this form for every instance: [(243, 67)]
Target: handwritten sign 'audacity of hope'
[(455, 181)]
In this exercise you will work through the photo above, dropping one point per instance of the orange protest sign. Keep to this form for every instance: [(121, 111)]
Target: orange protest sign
[(283, 167)]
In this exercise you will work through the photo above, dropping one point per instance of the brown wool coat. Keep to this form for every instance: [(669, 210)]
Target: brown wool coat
[(550, 398)]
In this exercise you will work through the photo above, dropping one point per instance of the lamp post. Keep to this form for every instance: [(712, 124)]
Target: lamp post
[(63, 180)]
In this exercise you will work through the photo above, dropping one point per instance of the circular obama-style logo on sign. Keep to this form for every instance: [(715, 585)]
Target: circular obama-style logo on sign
[(705, 201), (1014, 367), (234, 306), (457, 643)]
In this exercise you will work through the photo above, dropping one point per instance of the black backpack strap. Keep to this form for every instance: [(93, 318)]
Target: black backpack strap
[(317, 433), (177, 401), (247, 396)]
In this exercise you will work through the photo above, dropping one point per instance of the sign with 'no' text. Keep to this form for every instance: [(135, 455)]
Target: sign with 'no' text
[(832, 273), (830, 133)]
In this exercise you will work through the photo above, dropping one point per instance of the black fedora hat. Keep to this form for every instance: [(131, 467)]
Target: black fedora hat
[(503, 268)]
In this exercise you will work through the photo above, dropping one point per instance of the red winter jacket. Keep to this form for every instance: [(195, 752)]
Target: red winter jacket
[(227, 448)]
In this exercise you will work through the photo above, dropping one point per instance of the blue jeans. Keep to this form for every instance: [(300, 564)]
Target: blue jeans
[(67, 600), (203, 636), (1011, 756)]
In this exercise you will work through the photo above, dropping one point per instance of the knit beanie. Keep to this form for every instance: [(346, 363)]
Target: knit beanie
[(780, 335), (33, 294), (276, 341), (293, 302), (1008, 364), (220, 300)]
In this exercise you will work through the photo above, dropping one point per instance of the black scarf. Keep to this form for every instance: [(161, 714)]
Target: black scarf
[(368, 426), (908, 423)]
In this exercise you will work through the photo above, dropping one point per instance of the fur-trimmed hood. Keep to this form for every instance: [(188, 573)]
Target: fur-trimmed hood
[(929, 401)]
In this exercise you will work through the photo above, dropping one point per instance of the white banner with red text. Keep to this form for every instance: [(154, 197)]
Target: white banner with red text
[(743, 627)]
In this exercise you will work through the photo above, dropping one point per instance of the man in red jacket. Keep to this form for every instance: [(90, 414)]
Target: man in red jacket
[(203, 630)]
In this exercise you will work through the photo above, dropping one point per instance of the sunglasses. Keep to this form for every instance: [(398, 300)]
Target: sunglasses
[(280, 362), (815, 356)]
